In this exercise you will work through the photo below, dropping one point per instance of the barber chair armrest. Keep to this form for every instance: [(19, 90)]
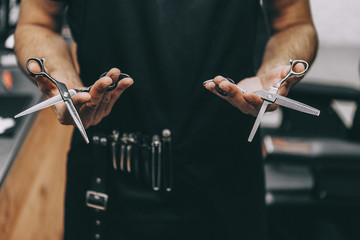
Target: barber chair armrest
[(320, 91), (334, 163), (311, 150)]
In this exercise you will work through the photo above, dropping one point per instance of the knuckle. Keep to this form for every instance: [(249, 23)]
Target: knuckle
[(254, 113), (106, 99), (92, 105), (246, 111)]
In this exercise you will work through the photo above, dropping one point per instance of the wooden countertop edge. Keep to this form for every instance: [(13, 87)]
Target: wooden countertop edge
[(32, 194)]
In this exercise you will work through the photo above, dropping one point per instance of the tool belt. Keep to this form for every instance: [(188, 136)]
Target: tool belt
[(148, 159)]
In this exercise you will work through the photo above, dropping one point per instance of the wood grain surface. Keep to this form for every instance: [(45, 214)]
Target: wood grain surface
[(32, 195)]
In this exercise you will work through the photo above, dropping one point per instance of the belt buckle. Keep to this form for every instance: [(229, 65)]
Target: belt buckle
[(96, 200)]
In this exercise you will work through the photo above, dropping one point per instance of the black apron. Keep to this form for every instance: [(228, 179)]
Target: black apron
[(169, 48)]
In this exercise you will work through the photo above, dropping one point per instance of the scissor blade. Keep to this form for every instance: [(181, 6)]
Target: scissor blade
[(298, 106), (47, 103), (258, 120), (74, 114)]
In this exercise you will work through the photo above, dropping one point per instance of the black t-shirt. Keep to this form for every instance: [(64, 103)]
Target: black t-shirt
[(169, 48)]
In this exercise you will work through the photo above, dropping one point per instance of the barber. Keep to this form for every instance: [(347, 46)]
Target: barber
[(169, 48)]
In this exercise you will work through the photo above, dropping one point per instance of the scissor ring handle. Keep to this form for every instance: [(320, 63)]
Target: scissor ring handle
[(114, 84), (40, 62), (293, 64)]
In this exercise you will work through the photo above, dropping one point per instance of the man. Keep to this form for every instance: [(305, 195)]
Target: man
[(169, 48)]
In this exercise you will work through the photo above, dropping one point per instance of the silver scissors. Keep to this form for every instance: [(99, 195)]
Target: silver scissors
[(271, 97), (65, 95)]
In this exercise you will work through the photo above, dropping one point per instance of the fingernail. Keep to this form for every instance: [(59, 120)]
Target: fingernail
[(108, 81), (130, 82), (225, 88), (220, 91), (207, 81)]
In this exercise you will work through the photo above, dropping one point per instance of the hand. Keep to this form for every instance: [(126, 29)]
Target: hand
[(93, 106), (249, 102)]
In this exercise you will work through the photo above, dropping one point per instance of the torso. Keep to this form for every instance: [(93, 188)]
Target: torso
[(169, 48)]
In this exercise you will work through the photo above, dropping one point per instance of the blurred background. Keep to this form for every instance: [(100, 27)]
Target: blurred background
[(337, 23), (312, 164)]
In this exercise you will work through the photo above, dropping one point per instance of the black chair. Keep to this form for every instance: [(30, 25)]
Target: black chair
[(315, 164)]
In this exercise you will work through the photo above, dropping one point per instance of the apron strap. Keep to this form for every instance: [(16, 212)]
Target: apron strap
[(96, 197)]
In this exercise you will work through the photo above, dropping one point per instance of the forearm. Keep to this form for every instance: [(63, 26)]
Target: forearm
[(38, 41), (38, 35), (294, 35), (296, 42)]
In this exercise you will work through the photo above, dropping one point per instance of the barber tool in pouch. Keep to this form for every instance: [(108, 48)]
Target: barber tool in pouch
[(147, 159)]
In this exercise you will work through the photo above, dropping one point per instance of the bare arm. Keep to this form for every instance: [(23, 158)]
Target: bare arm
[(38, 35), (294, 35), (294, 38)]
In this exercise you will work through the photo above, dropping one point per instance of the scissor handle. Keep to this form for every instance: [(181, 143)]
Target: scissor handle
[(40, 62), (114, 84), (60, 86), (292, 73), (292, 66)]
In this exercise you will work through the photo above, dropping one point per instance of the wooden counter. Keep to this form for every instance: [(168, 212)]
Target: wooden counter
[(32, 195)]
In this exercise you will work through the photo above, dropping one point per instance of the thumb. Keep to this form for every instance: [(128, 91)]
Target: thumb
[(297, 68), (44, 84)]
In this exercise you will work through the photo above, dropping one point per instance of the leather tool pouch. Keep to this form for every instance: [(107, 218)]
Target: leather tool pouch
[(148, 159)]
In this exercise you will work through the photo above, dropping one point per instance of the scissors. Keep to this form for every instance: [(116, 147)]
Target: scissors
[(271, 97), (65, 95)]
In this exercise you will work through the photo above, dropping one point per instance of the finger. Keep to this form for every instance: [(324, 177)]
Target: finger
[(116, 93), (34, 66), (254, 103), (234, 95), (123, 85), (80, 99), (114, 74), (110, 97), (213, 86), (101, 109), (62, 113), (97, 91), (272, 107), (285, 87), (253, 100), (219, 79), (210, 85), (299, 67), (229, 88)]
